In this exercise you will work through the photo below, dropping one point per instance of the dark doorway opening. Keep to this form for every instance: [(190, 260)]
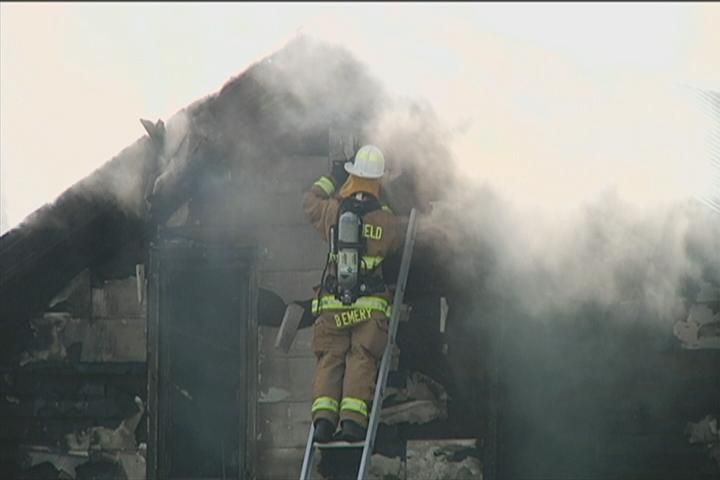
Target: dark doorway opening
[(202, 297)]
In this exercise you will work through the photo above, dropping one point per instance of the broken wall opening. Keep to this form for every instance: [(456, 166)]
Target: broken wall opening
[(202, 322)]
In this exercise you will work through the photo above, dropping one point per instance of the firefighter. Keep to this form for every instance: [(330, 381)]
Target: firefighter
[(353, 302)]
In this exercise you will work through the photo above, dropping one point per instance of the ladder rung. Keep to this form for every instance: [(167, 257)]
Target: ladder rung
[(339, 444)]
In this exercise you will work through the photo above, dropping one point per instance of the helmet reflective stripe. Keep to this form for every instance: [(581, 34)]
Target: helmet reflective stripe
[(369, 163)]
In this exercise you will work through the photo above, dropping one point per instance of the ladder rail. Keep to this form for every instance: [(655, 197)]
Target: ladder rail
[(387, 354), (308, 457), (384, 370)]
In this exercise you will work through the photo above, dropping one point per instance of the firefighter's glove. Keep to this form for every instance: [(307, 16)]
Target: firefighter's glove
[(338, 172)]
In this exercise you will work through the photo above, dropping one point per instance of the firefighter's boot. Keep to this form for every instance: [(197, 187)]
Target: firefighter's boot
[(352, 431), (324, 430)]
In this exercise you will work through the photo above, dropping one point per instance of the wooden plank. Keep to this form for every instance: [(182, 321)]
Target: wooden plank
[(117, 299), (110, 340), (78, 408), (289, 327)]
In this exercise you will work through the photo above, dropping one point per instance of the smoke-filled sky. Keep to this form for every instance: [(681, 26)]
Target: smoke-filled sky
[(551, 104)]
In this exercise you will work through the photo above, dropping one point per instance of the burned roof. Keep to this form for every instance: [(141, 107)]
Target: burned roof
[(284, 104)]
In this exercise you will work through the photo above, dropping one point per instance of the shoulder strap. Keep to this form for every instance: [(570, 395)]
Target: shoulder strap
[(360, 207)]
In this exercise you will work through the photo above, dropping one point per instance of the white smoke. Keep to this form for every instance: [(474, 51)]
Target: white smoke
[(577, 186), (575, 190), (608, 254), (540, 102)]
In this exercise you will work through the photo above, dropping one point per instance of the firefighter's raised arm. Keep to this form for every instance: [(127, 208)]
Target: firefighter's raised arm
[(320, 205)]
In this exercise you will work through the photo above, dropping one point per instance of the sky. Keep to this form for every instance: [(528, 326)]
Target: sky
[(551, 103)]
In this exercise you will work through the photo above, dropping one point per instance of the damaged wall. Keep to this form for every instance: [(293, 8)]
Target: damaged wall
[(81, 371)]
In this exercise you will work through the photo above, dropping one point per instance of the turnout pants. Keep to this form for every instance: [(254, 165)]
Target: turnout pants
[(348, 347)]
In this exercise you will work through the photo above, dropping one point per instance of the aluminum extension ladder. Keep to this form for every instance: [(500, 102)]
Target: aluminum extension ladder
[(369, 443)]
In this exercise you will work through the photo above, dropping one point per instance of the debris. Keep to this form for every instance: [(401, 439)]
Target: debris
[(453, 459), (704, 431), (156, 131), (102, 442), (133, 464), (48, 342), (288, 327), (715, 454), (183, 392), (45, 462), (46, 471), (444, 309), (273, 394), (700, 330), (140, 281), (101, 470), (386, 468), (421, 401)]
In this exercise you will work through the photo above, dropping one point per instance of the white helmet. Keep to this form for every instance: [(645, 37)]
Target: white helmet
[(369, 163)]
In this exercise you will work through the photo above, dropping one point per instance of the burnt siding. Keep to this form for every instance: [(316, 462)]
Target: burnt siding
[(41, 404), (283, 414), (85, 226), (94, 385), (292, 258)]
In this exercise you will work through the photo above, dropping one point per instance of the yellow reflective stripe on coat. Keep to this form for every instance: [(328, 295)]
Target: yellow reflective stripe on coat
[(371, 262), (354, 405), (325, 403), (329, 302), (326, 185)]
